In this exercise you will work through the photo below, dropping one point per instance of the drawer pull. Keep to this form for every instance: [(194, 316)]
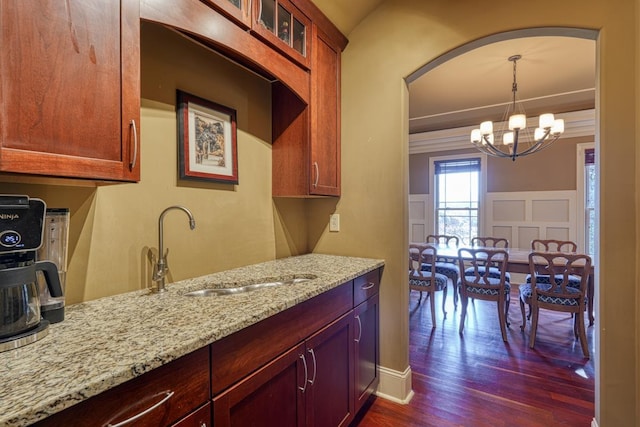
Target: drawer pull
[(139, 415), (369, 286), (359, 329), (314, 366), (306, 374)]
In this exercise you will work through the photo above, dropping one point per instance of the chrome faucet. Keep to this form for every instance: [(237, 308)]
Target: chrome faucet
[(161, 267)]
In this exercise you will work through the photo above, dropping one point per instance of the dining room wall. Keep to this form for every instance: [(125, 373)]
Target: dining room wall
[(553, 169)]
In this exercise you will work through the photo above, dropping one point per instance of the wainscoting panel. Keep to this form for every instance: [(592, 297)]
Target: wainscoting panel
[(523, 216), (418, 217)]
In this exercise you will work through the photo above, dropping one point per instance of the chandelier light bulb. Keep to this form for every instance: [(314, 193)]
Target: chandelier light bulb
[(476, 136), (486, 128), (507, 138), (539, 134), (546, 120), (517, 121), (558, 127)]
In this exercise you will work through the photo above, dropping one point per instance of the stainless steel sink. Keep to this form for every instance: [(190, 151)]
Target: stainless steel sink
[(211, 292)]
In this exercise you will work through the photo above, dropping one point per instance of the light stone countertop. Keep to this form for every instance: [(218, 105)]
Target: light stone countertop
[(105, 342)]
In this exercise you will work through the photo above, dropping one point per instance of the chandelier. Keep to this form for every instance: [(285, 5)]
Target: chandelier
[(516, 141)]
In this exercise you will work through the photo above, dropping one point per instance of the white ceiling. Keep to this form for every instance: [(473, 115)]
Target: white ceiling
[(555, 74)]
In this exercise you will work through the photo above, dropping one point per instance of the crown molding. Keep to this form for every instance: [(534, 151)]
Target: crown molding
[(576, 124)]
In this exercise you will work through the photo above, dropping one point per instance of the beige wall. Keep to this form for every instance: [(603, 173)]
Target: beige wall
[(398, 38), (113, 227), (549, 170)]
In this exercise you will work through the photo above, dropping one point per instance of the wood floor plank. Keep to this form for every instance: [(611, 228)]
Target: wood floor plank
[(476, 379)]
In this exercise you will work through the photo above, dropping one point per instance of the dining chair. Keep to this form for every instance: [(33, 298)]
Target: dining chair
[(560, 295), (426, 280), (448, 267), (551, 245), (478, 283), (492, 242)]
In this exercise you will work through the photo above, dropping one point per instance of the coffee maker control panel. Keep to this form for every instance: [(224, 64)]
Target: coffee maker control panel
[(21, 220)]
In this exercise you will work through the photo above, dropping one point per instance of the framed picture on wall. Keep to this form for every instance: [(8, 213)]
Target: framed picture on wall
[(208, 148)]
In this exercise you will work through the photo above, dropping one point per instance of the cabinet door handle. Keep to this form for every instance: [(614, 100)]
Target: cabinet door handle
[(359, 328), (139, 415), (306, 374), (134, 159), (369, 286), (313, 355), (315, 183)]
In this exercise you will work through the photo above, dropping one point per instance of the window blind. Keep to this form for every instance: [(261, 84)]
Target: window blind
[(457, 166)]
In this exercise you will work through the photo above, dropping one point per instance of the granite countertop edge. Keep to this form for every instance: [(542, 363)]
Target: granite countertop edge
[(108, 341)]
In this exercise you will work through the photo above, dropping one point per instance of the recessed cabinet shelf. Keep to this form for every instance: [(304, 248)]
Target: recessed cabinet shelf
[(282, 25)]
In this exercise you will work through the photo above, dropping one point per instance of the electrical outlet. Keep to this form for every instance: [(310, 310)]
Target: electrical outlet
[(334, 222)]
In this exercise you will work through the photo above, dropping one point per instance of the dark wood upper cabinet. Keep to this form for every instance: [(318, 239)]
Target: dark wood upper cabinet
[(70, 87), (285, 27), (238, 11)]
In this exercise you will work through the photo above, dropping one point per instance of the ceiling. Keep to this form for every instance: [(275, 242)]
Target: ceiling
[(556, 74)]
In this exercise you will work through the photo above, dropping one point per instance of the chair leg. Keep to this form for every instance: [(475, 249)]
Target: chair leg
[(503, 321), (507, 303), (432, 296), (524, 316), (454, 282), (464, 301), (420, 299), (534, 325), (444, 300), (579, 319)]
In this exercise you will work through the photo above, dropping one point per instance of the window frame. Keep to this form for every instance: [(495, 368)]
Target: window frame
[(482, 182)]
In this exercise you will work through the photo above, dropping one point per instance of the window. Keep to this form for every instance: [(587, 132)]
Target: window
[(590, 201), (457, 190)]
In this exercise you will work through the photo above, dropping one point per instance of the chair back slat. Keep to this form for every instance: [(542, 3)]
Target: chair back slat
[(490, 242), (551, 245), (443, 239), (421, 256), (479, 260), (562, 267)]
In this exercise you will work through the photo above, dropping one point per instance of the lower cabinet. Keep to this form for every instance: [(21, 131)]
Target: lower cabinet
[(322, 381), (367, 349), (309, 385)]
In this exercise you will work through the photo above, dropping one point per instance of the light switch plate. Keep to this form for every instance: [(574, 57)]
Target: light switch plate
[(334, 222)]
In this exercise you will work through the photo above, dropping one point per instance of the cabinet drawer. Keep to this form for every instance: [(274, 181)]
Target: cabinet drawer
[(366, 286), (157, 398)]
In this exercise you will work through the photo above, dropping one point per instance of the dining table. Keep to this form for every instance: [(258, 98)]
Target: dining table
[(518, 262)]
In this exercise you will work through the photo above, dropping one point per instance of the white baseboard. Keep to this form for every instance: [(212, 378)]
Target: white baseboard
[(395, 385), (594, 423)]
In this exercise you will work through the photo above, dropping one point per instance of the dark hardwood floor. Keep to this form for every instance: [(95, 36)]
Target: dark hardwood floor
[(479, 380)]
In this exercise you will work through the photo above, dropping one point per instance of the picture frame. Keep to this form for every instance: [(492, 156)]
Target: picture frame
[(207, 140)]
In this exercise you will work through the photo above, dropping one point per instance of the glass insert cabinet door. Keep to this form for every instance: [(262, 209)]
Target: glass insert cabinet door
[(238, 10), (284, 26)]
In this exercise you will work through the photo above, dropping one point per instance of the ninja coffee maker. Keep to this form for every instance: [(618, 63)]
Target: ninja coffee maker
[(21, 231)]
